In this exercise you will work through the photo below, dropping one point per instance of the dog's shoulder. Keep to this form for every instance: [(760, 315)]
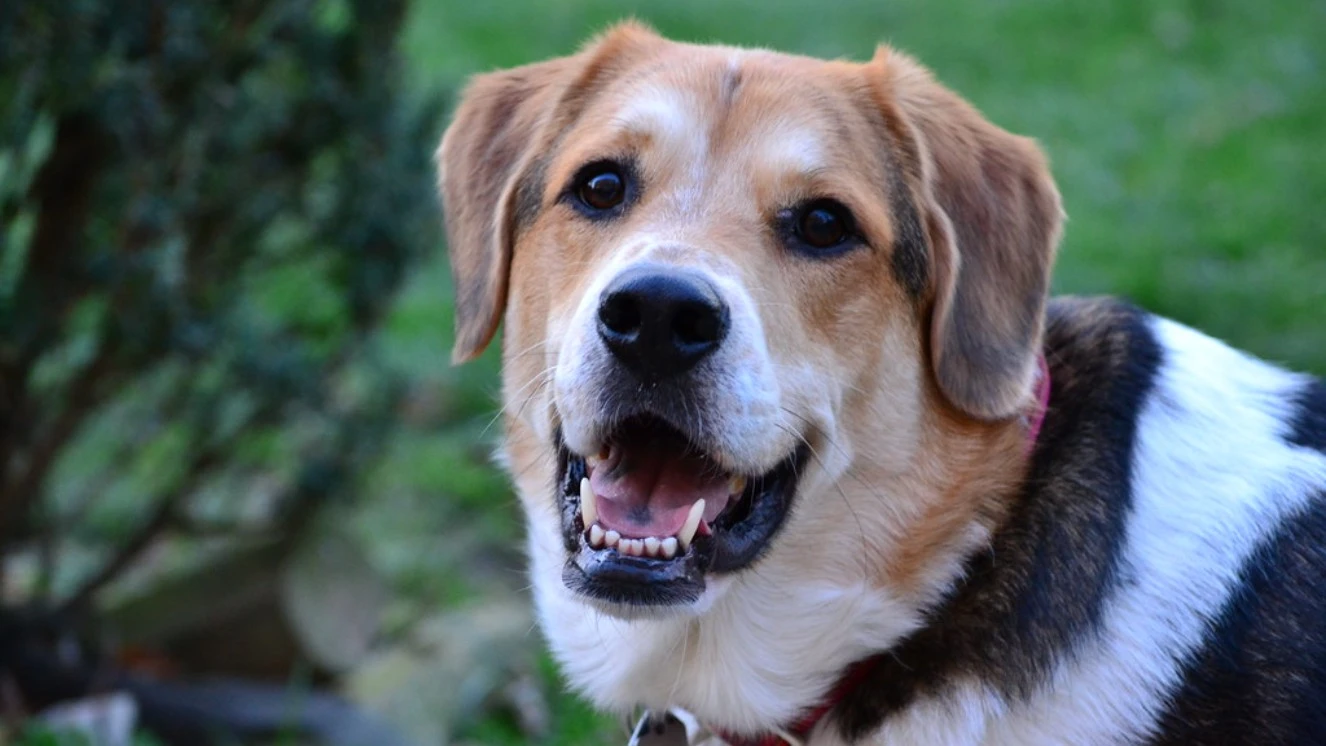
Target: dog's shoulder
[(1162, 567), (1228, 488), (1260, 673)]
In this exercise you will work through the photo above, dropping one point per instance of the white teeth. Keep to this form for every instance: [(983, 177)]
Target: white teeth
[(691, 525), (736, 485), (650, 546), (589, 508)]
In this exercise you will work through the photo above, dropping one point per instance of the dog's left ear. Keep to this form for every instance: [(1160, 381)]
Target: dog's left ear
[(993, 218), (504, 120)]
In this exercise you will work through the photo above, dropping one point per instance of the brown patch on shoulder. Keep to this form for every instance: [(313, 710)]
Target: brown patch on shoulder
[(980, 466)]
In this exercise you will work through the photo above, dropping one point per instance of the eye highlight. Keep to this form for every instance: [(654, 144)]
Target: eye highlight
[(820, 227), (600, 189)]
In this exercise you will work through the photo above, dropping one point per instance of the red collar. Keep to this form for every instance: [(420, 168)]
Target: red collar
[(802, 727), (857, 672)]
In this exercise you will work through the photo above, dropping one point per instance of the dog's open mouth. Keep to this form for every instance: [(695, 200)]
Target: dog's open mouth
[(648, 516)]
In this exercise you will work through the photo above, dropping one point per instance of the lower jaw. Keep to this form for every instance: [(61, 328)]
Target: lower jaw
[(608, 576)]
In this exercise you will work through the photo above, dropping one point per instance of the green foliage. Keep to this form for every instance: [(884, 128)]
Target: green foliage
[(207, 209)]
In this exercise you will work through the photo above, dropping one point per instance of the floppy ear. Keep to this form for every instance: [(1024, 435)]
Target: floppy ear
[(994, 218), (483, 153), (504, 122)]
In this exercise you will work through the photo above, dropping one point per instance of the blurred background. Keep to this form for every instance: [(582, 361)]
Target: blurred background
[(243, 496)]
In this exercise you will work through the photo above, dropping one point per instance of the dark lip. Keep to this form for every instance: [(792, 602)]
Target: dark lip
[(739, 539)]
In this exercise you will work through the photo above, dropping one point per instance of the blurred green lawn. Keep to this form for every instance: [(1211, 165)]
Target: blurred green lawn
[(1186, 138)]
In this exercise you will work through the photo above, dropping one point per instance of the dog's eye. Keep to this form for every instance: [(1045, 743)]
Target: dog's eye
[(823, 224), (601, 187)]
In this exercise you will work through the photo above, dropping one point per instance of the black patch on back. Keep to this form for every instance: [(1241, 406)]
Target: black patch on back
[(1309, 426), (910, 258), (1261, 676), (1040, 590)]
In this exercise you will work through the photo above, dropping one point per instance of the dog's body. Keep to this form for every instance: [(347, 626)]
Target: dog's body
[(773, 337)]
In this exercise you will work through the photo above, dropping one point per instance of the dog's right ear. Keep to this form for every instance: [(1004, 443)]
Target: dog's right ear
[(504, 119), (483, 154)]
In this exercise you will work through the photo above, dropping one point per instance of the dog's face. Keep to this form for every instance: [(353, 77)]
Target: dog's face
[(750, 301)]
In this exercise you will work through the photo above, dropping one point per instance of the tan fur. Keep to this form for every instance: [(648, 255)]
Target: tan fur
[(909, 401)]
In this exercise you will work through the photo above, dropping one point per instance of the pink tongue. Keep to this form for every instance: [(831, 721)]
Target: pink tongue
[(649, 492)]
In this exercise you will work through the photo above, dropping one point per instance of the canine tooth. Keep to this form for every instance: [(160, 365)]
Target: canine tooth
[(595, 535), (691, 525), (589, 507), (668, 547), (736, 485), (611, 538), (651, 546)]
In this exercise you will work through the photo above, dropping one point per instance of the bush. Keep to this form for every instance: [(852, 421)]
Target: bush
[(206, 208)]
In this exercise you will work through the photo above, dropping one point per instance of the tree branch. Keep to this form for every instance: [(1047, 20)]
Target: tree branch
[(24, 490), (141, 539)]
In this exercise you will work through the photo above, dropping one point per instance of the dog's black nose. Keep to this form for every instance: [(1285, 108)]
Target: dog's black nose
[(659, 323)]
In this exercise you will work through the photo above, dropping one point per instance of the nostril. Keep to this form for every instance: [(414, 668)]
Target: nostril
[(698, 324), (620, 314)]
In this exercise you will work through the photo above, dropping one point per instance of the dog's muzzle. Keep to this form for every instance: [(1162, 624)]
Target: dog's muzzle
[(653, 511)]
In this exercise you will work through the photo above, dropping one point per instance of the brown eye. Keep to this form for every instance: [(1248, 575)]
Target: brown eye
[(602, 188), (823, 224)]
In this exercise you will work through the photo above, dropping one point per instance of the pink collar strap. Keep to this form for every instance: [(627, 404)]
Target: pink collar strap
[(1037, 418)]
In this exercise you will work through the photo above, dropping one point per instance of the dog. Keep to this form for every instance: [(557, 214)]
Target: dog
[(807, 453)]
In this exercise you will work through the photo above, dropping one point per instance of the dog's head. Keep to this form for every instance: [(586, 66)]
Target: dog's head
[(758, 310)]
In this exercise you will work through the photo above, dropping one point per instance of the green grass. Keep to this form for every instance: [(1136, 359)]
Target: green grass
[(1185, 136)]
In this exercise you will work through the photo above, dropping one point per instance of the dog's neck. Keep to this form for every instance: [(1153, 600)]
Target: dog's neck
[(1031, 424), (776, 639)]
